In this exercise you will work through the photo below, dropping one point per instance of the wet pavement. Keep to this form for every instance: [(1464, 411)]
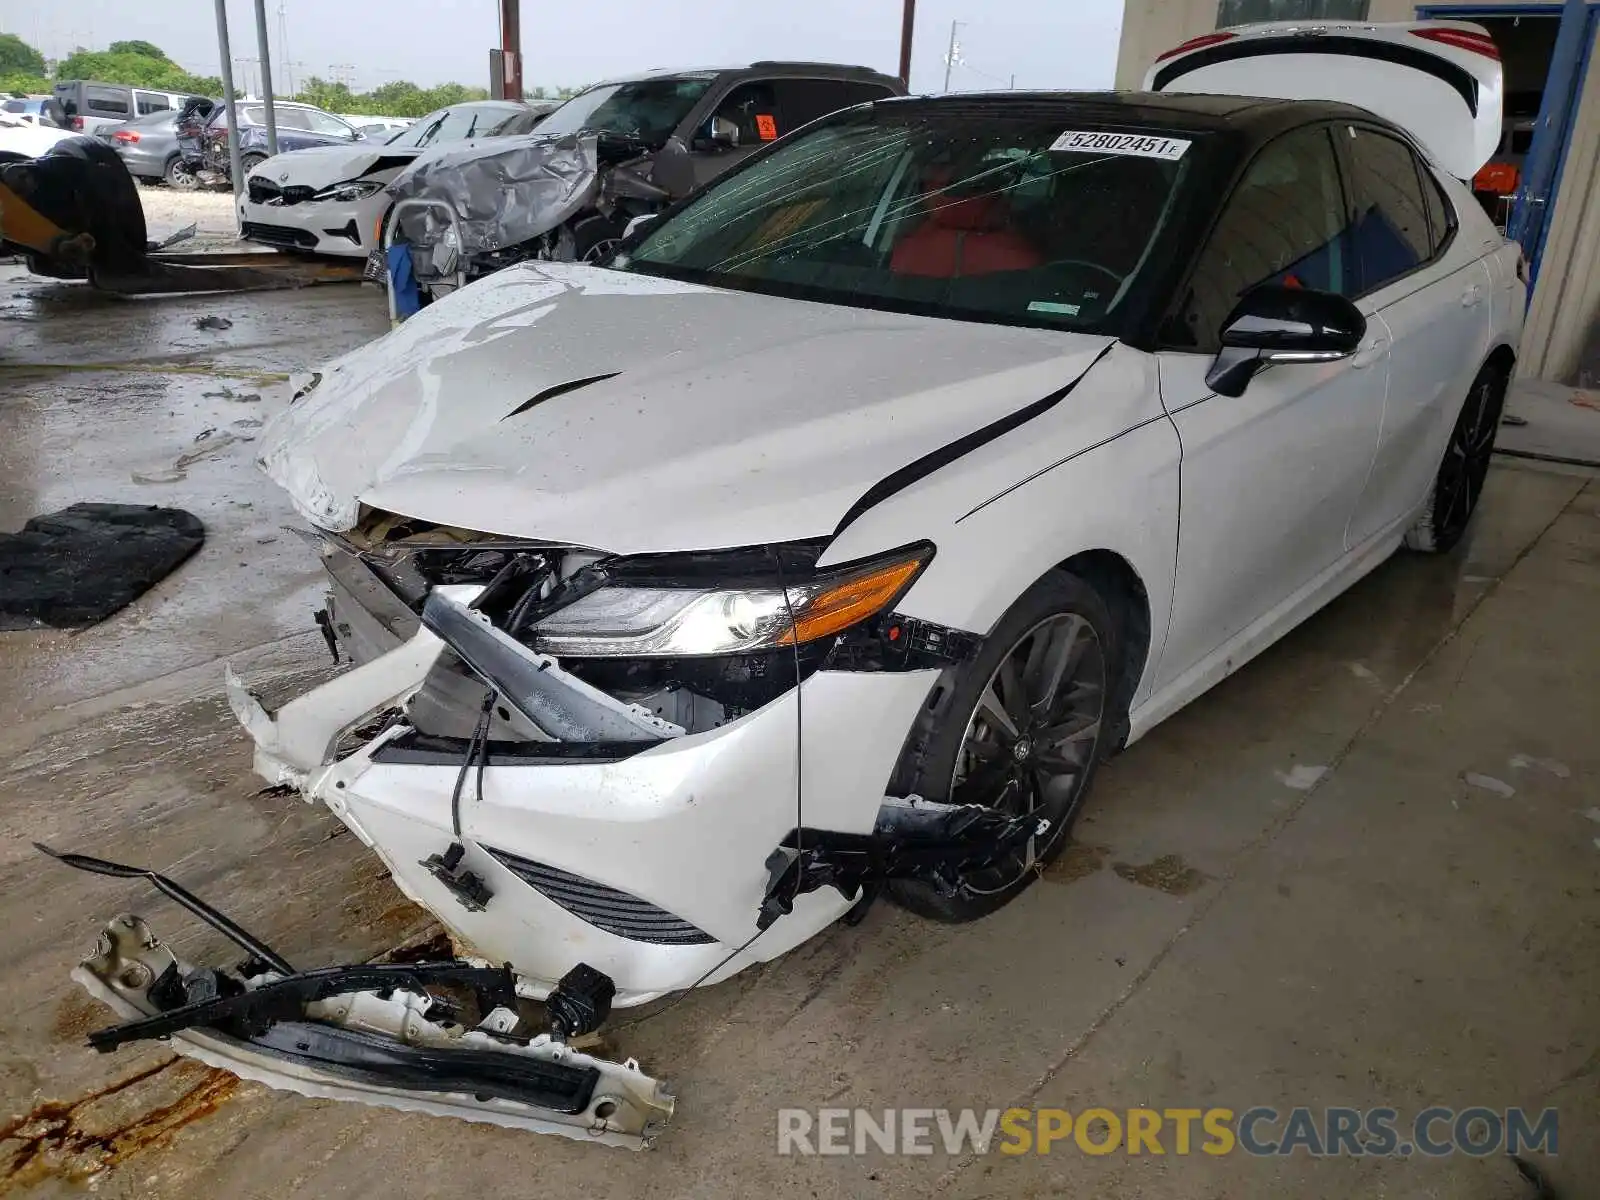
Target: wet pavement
[(1306, 888)]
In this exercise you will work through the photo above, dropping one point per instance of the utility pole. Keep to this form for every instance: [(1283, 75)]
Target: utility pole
[(236, 169), (908, 18), (266, 76), (511, 47), (283, 49), (952, 55)]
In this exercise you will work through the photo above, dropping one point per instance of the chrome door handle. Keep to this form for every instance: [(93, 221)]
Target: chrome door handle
[(1472, 297), (1370, 352)]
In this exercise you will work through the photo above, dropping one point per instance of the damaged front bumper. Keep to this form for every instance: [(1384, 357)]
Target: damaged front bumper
[(645, 859), (395, 1045)]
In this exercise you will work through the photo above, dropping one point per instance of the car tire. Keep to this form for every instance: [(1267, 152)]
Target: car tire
[(250, 162), (594, 238), (943, 755), (1459, 481), (178, 175)]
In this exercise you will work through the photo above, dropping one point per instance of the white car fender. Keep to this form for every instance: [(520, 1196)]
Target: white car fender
[(1099, 471)]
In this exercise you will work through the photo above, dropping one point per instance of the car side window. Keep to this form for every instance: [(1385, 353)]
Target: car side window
[(150, 103), (105, 100), (753, 107), (802, 101), (1286, 222), (860, 93), (1441, 217), (326, 123), (1391, 229), (288, 118)]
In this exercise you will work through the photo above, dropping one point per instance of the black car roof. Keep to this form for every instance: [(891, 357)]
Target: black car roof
[(1253, 116), (766, 68)]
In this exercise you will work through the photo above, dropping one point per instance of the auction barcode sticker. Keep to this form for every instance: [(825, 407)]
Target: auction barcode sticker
[(1138, 144)]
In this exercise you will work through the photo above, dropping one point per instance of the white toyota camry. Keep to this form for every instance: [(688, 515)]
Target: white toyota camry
[(824, 543)]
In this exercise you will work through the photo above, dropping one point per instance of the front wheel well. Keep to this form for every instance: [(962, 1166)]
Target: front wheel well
[(1503, 359), (1124, 593)]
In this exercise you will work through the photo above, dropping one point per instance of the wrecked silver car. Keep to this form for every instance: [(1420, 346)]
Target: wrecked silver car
[(623, 149)]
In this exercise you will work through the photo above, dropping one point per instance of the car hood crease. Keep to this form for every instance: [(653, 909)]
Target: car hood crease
[(705, 419)]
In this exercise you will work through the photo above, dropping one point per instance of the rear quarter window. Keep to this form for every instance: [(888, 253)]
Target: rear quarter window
[(802, 101), (1441, 216), (1391, 228)]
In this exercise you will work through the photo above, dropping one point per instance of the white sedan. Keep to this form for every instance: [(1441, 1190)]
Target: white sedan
[(331, 199), (828, 541), (27, 138)]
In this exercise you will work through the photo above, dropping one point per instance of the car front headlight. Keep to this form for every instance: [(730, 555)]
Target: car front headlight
[(648, 619), (355, 189)]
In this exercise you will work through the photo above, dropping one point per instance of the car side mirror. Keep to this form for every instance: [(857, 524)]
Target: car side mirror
[(639, 224), (720, 134), (1278, 324)]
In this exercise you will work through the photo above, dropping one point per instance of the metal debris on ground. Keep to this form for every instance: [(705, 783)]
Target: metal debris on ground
[(1489, 784), (213, 322), (227, 393), (152, 477), (207, 446)]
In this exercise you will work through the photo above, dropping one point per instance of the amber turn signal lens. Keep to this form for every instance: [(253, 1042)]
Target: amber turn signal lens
[(850, 600)]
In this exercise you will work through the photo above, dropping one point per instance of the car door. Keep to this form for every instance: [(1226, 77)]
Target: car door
[(1433, 297), (1269, 478)]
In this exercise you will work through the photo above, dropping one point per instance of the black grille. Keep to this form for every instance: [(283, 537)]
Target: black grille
[(280, 235), (603, 907), (261, 190)]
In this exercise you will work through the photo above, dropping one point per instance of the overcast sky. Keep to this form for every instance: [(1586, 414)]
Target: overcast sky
[(1045, 43)]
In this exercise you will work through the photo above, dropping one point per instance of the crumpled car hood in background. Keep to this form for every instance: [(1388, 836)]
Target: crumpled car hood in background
[(321, 166), (726, 418), (504, 191)]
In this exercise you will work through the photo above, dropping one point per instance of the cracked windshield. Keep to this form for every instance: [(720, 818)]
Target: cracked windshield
[(1015, 221)]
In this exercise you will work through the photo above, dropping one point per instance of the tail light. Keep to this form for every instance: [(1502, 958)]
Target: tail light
[(1462, 39), (1196, 43), (76, 123), (125, 135)]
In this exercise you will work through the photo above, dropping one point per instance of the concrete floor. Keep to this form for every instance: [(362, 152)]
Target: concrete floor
[(1288, 894)]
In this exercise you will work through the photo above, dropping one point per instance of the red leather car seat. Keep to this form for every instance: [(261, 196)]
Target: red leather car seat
[(963, 236)]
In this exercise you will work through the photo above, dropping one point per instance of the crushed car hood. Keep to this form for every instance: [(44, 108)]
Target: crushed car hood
[(634, 414), (320, 166)]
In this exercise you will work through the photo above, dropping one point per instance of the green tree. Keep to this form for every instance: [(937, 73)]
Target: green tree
[(19, 58), (24, 85), (135, 70), (335, 97), (147, 49), (199, 85)]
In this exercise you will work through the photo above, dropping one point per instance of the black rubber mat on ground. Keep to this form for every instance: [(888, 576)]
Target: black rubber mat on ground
[(72, 568)]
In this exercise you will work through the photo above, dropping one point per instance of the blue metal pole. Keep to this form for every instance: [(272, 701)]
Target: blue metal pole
[(1531, 208)]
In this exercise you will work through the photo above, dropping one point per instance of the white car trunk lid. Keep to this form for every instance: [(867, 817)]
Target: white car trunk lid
[(1439, 80)]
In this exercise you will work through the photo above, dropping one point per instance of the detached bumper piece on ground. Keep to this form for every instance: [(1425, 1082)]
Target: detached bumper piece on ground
[(387, 1034)]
